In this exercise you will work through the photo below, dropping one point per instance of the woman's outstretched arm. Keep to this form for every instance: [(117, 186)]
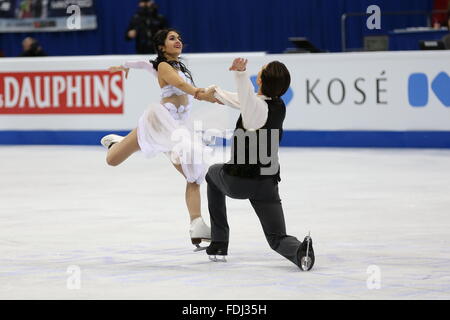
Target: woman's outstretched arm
[(141, 64), (169, 75)]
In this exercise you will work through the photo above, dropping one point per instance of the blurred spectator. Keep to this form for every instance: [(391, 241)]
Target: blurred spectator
[(30, 8), (446, 39), (32, 48), (25, 9), (448, 19), (37, 8), (439, 16), (2, 54), (436, 25), (144, 25)]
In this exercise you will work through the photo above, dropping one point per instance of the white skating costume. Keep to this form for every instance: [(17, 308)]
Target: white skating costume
[(164, 128)]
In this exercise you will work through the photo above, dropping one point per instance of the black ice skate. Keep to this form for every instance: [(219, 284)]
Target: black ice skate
[(217, 251), (306, 254)]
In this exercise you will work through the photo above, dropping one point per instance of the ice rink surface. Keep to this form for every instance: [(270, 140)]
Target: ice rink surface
[(125, 229)]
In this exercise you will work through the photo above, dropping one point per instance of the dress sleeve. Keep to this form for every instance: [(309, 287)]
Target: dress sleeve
[(141, 64)]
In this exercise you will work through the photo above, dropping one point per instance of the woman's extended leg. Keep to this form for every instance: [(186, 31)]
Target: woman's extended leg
[(198, 230), (192, 197), (120, 151)]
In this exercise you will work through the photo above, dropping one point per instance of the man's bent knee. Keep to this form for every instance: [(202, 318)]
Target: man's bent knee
[(213, 171)]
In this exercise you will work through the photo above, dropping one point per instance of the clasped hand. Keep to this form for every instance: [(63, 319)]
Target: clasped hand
[(207, 95)]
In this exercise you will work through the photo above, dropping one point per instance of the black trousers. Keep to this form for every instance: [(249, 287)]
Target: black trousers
[(263, 196)]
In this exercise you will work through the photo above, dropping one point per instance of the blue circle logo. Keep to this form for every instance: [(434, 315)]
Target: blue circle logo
[(287, 97)]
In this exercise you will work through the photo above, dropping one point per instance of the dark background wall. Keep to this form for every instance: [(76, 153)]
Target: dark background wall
[(228, 25)]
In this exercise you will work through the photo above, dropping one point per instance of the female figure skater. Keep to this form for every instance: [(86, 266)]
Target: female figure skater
[(153, 134)]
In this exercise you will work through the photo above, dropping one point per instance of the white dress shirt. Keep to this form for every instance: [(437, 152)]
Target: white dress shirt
[(253, 107)]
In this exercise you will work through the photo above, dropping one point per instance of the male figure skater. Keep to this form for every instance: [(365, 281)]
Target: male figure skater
[(253, 171)]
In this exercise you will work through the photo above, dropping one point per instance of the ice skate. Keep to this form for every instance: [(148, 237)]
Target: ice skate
[(110, 139), (217, 251), (306, 254), (199, 232)]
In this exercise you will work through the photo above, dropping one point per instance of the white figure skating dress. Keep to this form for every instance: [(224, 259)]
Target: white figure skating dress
[(165, 128)]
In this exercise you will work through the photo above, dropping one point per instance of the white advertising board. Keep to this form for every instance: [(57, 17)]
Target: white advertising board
[(383, 91)]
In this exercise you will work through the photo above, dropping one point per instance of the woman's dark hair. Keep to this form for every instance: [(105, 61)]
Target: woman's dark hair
[(159, 40), (275, 80)]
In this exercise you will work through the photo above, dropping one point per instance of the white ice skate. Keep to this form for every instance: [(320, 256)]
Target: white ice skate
[(110, 139), (199, 232)]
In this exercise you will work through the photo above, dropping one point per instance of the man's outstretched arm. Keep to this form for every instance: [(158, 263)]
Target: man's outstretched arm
[(254, 109)]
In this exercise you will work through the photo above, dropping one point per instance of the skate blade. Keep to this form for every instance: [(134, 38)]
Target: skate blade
[(215, 259), (199, 248), (306, 261)]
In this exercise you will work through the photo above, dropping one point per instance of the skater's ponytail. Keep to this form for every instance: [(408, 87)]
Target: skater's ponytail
[(159, 40)]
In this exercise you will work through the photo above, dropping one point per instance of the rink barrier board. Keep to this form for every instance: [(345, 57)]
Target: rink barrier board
[(344, 139), (372, 99)]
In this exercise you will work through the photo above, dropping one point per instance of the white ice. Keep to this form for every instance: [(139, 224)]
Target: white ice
[(126, 228)]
